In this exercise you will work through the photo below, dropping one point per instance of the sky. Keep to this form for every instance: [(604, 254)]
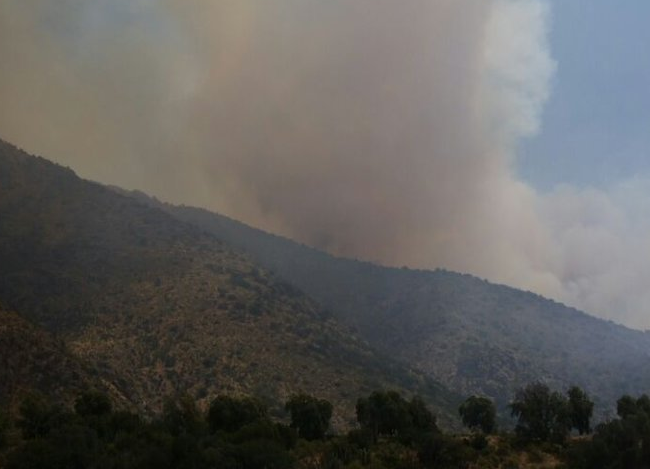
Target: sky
[(502, 138), (596, 122)]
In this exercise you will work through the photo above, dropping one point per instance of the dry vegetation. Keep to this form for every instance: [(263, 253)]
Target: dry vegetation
[(157, 307)]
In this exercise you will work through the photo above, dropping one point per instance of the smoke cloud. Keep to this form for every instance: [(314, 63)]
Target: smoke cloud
[(374, 129)]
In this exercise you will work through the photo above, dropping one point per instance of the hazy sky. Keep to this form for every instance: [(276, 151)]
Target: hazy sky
[(504, 138)]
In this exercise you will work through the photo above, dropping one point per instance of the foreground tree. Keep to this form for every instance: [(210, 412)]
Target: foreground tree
[(620, 443), (542, 414), (310, 416), (38, 416), (4, 426), (181, 416), (93, 403), (421, 417), (581, 408), (478, 413), (626, 406), (388, 413), (230, 413), (382, 413)]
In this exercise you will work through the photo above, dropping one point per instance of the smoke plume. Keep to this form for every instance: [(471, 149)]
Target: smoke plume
[(375, 129)]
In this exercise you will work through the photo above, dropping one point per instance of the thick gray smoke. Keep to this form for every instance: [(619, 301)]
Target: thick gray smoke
[(371, 128)]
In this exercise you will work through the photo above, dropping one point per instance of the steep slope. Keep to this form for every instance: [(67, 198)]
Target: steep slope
[(158, 307), (32, 361), (472, 335)]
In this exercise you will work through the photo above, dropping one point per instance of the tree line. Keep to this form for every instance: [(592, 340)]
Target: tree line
[(236, 432)]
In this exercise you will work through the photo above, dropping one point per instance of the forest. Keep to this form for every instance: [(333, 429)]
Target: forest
[(551, 430)]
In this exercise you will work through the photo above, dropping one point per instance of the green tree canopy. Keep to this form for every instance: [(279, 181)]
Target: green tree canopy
[(309, 415), (4, 425), (230, 413), (422, 418), (581, 408), (620, 443), (626, 406), (542, 414), (180, 415), (38, 416), (478, 413), (93, 403), (388, 413)]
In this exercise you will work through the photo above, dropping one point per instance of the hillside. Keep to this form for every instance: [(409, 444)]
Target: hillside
[(33, 361), (474, 336), (158, 307)]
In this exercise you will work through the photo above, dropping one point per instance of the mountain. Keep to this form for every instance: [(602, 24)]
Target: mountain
[(33, 361), (156, 306), (472, 335)]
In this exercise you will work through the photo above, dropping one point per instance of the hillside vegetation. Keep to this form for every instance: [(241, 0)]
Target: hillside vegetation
[(472, 335), (157, 307), (32, 361)]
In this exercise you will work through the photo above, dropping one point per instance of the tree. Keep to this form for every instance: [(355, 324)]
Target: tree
[(619, 443), (541, 414), (4, 425), (581, 409), (383, 413), (93, 403), (38, 416), (422, 418), (635, 415), (388, 413), (309, 415), (230, 413), (181, 415), (478, 413), (626, 406)]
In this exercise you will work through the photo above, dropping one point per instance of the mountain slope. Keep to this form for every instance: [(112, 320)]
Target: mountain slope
[(33, 361), (158, 307), (472, 335)]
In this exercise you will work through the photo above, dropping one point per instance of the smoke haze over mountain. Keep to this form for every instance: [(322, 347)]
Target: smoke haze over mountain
[(375, 129)]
